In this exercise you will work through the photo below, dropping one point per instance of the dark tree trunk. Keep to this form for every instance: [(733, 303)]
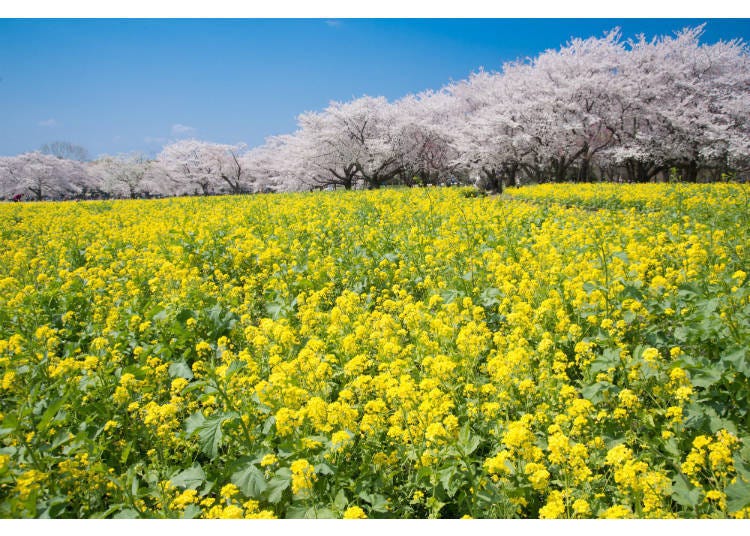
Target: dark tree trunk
[(511, 171), (691, 171), (584, 174), (559, 169)]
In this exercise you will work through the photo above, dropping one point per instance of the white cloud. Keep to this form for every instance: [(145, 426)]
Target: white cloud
[(182, 130), (48, 123), (333, 23)]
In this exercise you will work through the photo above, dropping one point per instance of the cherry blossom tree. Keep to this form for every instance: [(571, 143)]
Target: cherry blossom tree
[(486, 128), (125, 175), (277, 165), (191, 166), (231, 166), (423, 139), (679, 104), (43, 177), (350, 142)]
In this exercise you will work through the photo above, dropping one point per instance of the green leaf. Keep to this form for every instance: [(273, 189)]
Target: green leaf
[(190, 478), (50, 412), (681, 334), (234, 368), (739, 360), (594, 392), (180, 369), (276, 487), (8, 425), (716, 423), (126, 452), (250, 481), (194, 422), (489, 297), (321, 513), (671, 448), (297, 512), (274, 310), (127, 513), (55, 507), (323, 469), (705, 376), (210, 433), (191, 511), (683, 493), (589, 287), (446, 477), (738, 496), (450, 295), (161, 315), (268, 424), (609, 358), (466, 442), (340, 501), (377, 501)]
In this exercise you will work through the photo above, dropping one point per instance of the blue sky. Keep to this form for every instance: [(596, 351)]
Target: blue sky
[(123, 85)]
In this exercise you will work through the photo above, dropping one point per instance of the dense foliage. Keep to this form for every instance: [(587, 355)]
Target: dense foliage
[(568, 352)]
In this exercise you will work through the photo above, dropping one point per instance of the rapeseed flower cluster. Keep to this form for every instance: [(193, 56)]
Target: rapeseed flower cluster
[(562, 351)]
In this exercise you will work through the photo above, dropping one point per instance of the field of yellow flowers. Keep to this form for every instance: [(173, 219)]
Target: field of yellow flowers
[(563, 351)]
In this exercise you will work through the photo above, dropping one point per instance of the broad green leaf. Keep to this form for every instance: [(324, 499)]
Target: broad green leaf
[(377, 501), (446, 479), (340, 501), (161, 315), (190, 478), (683, 493), (191, 511), (126, 452), (276, 487), (180, 369), (739, 360), (589, 287), (250, 481), (609, 358), (55, 508), (320, 513), (738, 496), (705, 376), (8, 425), (466, 442), (594, 392), (681, 333), (210, 434), (297, 512), (489, 297), (127, 513), (194, 422), (183, 315), (323, 469)]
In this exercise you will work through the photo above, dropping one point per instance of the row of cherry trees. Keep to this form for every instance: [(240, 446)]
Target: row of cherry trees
[(596, 109), (183, 168)]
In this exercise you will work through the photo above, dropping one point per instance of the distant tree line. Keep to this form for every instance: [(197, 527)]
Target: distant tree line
[(597, 109)]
